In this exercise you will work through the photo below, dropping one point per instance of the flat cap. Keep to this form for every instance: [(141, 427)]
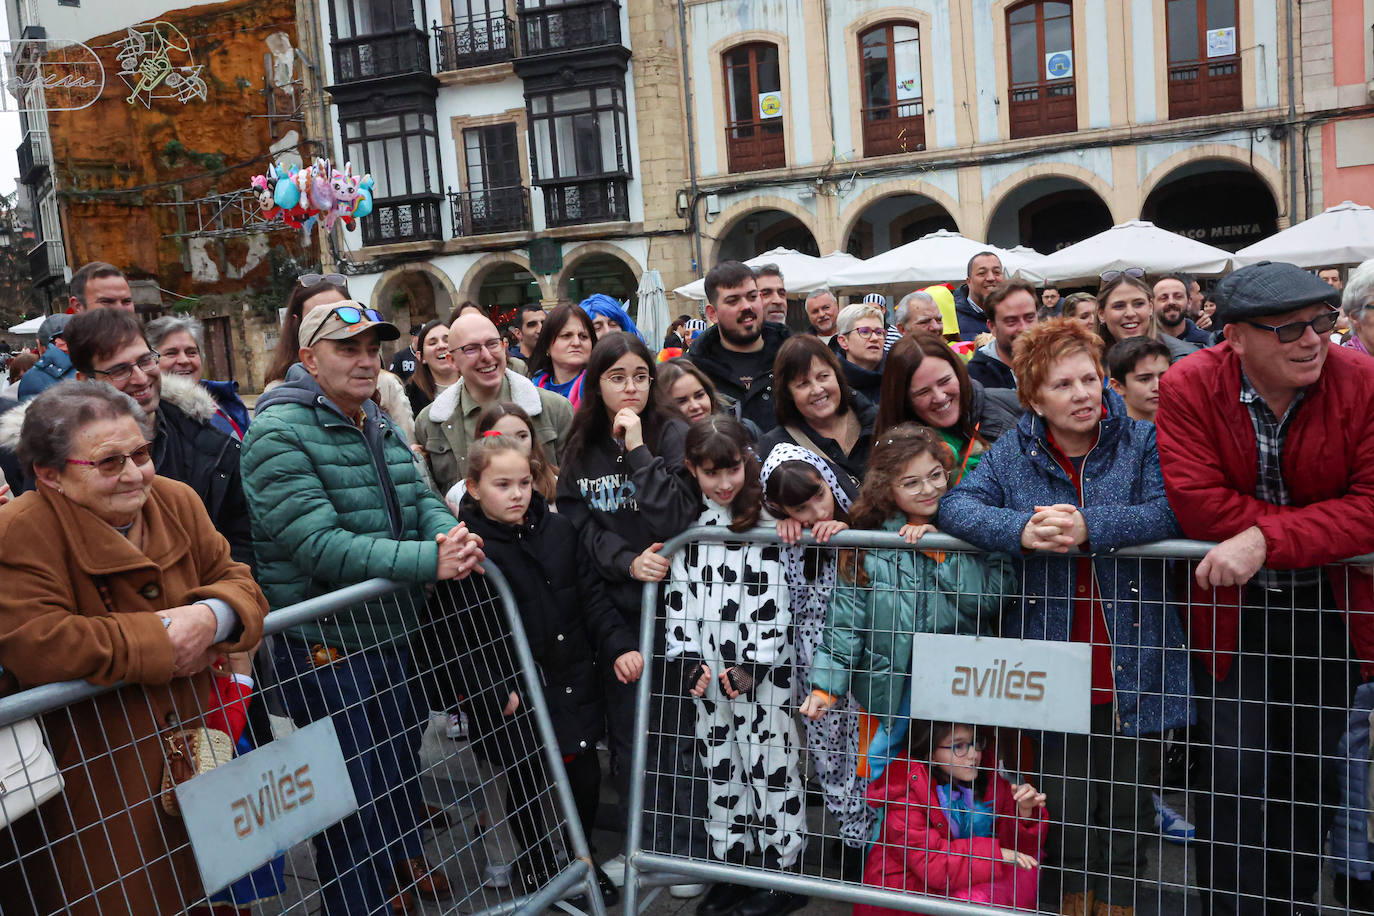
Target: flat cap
[(1270, 288), (52, 326)]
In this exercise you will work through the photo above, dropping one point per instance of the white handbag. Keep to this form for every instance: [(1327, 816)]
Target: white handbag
[(28, 772)]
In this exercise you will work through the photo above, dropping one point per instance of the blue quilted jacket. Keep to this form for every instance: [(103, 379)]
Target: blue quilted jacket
[(1123, 504)]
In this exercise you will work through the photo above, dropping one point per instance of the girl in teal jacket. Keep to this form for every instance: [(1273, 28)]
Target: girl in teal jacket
[(884, 597)]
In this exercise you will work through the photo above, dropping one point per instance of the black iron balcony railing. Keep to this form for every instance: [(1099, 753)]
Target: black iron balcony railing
[(474, 43), (373, 56), (569, 26), (33, 156), (598, 200), (47, 261), (404, 219), (490, 210)]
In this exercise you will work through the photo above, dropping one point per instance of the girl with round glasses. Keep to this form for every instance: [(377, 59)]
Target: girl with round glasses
[(952, 825)]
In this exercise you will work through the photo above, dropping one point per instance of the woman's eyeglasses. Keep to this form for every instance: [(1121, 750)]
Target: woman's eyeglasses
[(113, 465), (1135, 273), (1324, 323), (308, 281), (964, 748)]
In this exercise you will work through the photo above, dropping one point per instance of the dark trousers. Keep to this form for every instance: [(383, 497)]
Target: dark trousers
[(1268, 737), (533, 807), (1097, 788), (379, 724), (674, 786)]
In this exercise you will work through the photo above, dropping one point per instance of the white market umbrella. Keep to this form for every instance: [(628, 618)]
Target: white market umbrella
[(652, 316), (1135, 243), (1343, 234), (28, 327), (938, 257), (801, 273)]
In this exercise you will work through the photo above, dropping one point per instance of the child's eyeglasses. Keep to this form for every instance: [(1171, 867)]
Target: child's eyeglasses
[(964, 748)]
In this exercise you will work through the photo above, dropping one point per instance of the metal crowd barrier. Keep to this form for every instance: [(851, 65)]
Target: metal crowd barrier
[(476, 807), (706, 813)]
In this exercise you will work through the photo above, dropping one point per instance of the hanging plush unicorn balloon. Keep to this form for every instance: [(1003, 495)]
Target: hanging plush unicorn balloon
[(315, 193)]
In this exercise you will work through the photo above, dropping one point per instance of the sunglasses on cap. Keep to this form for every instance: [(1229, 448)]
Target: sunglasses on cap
[(351, 314), (1135, 273), (1323, 324), (308, 281)]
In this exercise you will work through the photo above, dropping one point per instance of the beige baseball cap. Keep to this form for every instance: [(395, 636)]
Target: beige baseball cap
[(343, 320)]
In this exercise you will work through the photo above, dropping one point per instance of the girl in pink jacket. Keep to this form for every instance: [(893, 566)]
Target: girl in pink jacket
[(953, 827)]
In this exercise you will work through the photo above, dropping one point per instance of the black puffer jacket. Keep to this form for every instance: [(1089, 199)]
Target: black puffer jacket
[(571, 625), (996, 410), (621, 502), (754, 403)]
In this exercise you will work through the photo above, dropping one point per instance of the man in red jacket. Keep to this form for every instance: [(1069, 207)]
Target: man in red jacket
[(1267, 446)]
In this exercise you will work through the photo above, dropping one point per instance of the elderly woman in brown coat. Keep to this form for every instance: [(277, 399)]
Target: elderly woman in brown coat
[(111, 574)]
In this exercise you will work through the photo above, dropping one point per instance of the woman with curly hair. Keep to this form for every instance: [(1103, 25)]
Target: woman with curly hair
[(884, 597)]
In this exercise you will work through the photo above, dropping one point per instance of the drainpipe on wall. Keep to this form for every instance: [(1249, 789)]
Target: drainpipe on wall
[(691, 134), (1292, 136)]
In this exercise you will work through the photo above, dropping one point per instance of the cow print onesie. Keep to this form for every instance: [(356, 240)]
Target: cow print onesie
[(727, 605)]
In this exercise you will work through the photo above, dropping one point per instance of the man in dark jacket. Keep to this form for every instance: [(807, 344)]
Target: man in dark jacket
[(54, 365), (984, 273), (108, 345), (1011, 311), (737, 351), (1267, 446), (337, 499)]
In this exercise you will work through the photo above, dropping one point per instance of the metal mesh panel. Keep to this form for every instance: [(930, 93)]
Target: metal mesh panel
[(479, 801), (1268, 758)]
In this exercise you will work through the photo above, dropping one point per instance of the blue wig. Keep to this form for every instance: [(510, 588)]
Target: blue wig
[(606, 307)]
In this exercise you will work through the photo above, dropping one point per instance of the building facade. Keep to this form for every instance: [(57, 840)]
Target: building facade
[(1337, 91), (862, 125), (512, 146), (151, 173)]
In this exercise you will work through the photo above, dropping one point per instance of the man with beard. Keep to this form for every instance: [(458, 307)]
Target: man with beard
[(984, 273), (1171, 310), (737, 351), (772, 293)]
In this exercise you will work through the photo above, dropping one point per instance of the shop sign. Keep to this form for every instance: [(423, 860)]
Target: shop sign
[(1020, 683), (770, 105)]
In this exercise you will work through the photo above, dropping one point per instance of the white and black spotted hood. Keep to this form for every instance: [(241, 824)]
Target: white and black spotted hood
[(786, 451)]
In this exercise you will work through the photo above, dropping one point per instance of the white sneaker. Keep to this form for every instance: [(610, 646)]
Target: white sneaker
[(615, 870), (686, 891)]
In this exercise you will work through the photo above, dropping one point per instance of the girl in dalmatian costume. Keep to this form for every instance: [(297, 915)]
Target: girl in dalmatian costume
[(833, 741), (727, 623)]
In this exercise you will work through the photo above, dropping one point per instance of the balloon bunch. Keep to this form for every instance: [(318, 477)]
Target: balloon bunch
[(317, 193)]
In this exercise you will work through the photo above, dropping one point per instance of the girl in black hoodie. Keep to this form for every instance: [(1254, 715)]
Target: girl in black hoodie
[(572, 630), (621, 485)]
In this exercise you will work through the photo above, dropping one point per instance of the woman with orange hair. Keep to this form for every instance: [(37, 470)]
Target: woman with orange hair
[(1078, 474)]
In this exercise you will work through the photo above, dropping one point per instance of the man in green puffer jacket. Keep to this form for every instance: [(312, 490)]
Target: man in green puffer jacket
[(336, 498)]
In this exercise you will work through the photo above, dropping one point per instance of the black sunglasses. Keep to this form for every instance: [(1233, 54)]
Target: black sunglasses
[(308, 281), (1324, 323), (1134, 273)]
